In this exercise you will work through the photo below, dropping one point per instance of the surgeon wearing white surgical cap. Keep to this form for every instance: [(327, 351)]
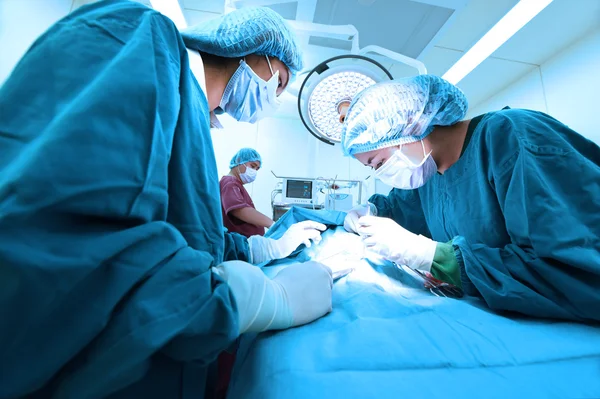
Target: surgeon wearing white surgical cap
[(505, 205)]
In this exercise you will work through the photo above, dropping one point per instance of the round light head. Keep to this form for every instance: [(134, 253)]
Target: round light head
[(325, 104), (328, 90)]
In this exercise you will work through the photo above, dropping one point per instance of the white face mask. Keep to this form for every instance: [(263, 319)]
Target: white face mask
[(247, 97), (400, 172), (249, 175)]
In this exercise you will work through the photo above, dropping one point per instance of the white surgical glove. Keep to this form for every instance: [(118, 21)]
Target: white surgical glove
[(351, 219), (392, 241), (297, 295), (264, 249)]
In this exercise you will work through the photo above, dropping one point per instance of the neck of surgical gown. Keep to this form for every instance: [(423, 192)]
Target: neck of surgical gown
[(109, 214), (522, 209)]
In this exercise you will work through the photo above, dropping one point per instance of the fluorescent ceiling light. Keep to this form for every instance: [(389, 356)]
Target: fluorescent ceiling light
[(510, 24), (171, 9)]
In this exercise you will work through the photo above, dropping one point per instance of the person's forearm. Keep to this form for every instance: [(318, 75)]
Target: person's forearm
[(252, 216)]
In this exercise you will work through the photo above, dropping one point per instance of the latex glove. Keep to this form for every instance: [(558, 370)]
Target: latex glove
[(297, 295), (351, 219), (263, 249), (392, 241)]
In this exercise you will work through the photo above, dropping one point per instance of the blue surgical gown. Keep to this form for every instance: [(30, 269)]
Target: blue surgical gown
[(109, 215), (522, 208)]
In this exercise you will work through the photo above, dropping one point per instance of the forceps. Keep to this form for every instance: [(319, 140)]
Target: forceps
[(340, 273), (438, 287)]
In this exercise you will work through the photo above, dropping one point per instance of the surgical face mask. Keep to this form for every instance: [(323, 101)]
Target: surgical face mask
[(247, 97), (400, 172), (249, 175)]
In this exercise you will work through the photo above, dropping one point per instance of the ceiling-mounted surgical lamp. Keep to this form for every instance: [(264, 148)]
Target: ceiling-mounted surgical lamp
[(328, 89)]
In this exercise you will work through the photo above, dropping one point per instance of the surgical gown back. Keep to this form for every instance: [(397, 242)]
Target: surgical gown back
[(109, 214), (522, 208)]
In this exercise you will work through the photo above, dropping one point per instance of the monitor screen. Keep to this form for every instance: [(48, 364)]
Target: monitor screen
[(299, 189)]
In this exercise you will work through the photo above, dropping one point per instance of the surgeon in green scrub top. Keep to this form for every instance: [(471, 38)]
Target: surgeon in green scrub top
[(117, 278), (505, 205)]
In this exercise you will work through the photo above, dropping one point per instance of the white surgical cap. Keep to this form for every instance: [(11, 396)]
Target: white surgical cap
[(249, 30), (401, 111), (243, 156)]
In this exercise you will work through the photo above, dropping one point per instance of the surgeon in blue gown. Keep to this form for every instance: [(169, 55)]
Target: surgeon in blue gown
[(505, 205), (116, 276)]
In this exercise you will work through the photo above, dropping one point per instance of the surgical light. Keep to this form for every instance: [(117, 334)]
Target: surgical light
[(510, 24), (329, 88), (330, 96)]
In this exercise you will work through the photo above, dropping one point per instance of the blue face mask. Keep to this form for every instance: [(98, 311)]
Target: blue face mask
[(247, 97)]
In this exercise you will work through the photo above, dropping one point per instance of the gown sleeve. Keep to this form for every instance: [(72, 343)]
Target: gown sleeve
[(94, 278), (236, 247), (547, 181), (404, 207)]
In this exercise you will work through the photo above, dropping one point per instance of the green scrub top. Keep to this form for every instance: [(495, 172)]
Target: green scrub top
[(520, 210)]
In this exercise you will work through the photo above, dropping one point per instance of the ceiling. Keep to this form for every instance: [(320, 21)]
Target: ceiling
[(437, 32), (562, 23), (378, 23)]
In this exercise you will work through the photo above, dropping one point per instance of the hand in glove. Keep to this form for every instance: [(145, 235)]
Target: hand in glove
[(351, 219), (392, 241), (297, 295), (263, 249)]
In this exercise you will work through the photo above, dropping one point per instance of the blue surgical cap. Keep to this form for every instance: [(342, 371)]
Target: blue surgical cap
[(400, 111), (244, 155), (249, 30)]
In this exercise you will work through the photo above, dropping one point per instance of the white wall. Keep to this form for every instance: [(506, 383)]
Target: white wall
[(567, 86), (21, 22), (287, 149)]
